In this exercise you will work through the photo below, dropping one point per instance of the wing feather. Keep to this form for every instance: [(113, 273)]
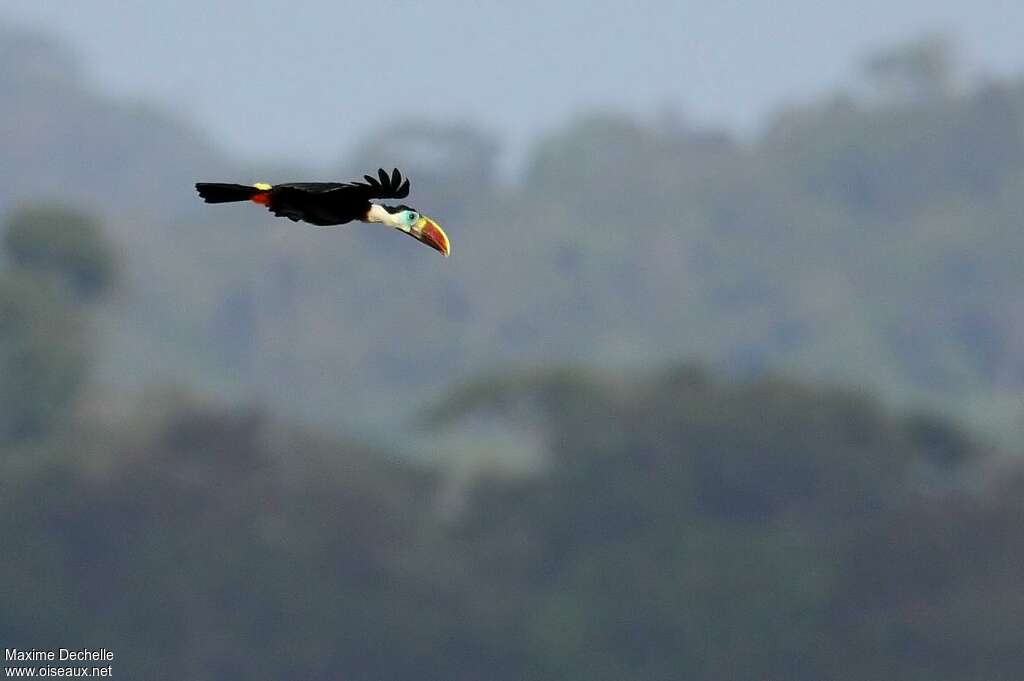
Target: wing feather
[(309, 187), (384, 186)]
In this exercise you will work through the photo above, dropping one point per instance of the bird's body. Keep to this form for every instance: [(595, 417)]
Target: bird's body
[(326, 204)]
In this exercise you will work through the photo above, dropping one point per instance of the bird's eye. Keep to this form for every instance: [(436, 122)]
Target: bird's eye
[(413, 217)]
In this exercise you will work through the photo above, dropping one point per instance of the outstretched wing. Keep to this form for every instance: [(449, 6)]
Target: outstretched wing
[(332, 203), (383, 186)]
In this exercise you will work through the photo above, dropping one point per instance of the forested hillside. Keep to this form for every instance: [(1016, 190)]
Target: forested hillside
[(644, 337), (681, 527)]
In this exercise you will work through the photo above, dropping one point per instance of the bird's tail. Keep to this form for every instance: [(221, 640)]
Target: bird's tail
[(221, 192)]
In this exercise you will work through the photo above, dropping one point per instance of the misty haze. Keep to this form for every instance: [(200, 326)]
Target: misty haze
[(724, 377)]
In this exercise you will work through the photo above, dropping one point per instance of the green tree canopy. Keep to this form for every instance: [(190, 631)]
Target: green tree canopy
[(43, 356), (58, 258), (65, 243)]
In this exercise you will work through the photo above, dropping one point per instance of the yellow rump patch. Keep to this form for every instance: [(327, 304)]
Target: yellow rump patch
[(263, 186)]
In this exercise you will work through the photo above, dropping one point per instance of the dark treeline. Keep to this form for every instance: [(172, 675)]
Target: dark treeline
[(683, 528)]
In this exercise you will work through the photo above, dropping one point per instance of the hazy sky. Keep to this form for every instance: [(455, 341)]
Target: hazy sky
[(304, 80)]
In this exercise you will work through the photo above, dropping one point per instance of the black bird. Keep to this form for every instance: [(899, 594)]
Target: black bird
[(326, 204)]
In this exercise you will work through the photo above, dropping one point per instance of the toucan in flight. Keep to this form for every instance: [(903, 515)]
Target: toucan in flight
[(334, 203)]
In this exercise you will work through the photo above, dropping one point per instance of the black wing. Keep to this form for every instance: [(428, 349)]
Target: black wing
[(312, 187), (332, 203), (384, 186)]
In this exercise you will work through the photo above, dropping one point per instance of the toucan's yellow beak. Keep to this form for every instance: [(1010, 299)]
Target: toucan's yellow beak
[(430, 233)]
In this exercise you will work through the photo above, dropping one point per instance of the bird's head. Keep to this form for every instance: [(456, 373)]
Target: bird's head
[(421, 228)]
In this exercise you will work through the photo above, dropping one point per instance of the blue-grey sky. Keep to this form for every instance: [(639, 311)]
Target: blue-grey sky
[(303, 80)]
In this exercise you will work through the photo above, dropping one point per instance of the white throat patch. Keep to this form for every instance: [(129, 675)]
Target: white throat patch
[(378, 214)]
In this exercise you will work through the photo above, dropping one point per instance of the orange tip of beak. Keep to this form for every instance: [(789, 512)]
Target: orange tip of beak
[(432, 235)]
